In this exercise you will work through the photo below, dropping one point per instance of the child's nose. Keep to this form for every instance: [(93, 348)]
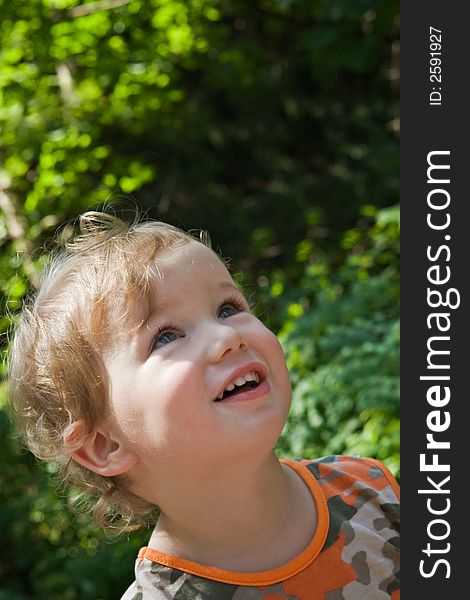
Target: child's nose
[(224, 339)]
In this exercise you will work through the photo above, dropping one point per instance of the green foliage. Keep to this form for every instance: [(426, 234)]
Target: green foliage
[(270, 123), (343, 352), (201, 110)]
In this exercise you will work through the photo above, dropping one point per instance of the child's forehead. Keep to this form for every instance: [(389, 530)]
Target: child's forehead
[(174, 276), (189, 269), (189, 259)]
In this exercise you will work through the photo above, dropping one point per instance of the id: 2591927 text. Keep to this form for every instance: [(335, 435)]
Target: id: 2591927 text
[(435, 66)]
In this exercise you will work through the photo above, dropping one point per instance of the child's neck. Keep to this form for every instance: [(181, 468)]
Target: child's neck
[(249, 520)]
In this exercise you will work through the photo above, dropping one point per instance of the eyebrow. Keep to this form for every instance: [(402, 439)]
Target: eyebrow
[(229, 284)]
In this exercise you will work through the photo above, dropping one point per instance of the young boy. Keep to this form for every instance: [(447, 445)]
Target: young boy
[(139, 368)]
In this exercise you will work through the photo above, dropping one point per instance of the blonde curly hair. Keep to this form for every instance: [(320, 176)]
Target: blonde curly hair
[(56, 372)]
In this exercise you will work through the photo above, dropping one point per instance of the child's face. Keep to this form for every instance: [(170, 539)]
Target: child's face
[(167, 377)]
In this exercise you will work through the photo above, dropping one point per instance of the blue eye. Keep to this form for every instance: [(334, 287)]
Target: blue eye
[(164, 338), (227, 311), (232, 306)]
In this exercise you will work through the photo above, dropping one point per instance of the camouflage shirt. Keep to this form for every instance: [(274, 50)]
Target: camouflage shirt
[(354, 554)]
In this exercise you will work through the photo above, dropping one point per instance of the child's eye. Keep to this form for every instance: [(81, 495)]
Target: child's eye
[(165, 337), (227, 311), (231, 307)]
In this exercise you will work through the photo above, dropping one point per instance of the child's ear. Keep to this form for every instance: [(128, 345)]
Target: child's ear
[(98, 451)]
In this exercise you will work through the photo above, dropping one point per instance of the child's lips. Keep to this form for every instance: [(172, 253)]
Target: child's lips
[(245, 395), (255, 375)]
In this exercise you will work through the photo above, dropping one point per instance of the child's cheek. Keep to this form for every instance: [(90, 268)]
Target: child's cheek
[(274, 344)]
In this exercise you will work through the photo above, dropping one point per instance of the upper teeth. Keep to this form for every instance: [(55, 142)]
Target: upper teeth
[(242, 379)]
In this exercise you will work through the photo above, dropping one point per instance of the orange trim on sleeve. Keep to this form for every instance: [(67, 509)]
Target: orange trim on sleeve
[(272, 576)]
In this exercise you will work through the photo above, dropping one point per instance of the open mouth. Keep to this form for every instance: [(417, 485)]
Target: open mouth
[(243, 383)]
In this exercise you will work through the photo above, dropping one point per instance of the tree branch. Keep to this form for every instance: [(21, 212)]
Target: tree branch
[(93, 7)]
